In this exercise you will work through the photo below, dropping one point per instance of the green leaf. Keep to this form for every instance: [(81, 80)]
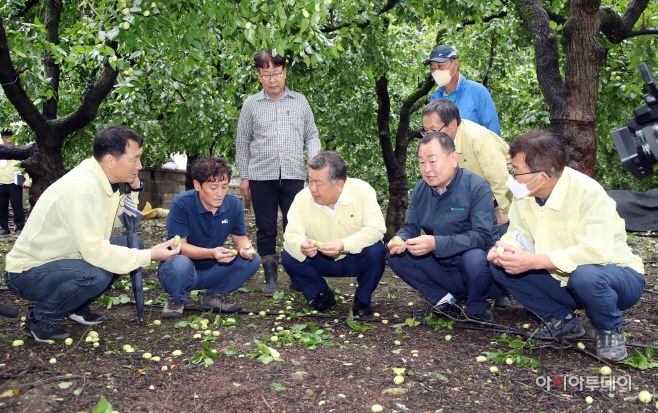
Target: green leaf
[(304, 25), (277, 387), (649, 352), (103, 406)]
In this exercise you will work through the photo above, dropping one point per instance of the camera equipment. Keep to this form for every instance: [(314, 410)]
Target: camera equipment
[(637, 140)]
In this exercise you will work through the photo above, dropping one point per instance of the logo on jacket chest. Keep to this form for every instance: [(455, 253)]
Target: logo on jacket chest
[(457, 209), (225, 221)]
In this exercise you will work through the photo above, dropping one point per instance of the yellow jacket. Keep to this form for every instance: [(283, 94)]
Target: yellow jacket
[(485, 154), (358, 221), (7, 172), (578, 225), (73, 220)]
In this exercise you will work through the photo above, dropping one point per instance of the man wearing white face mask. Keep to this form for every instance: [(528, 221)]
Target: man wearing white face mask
[(565, 248), (473, 100)]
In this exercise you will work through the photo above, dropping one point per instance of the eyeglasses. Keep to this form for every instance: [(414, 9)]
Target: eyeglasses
[(275, 76), (423, 132), (514, 174)]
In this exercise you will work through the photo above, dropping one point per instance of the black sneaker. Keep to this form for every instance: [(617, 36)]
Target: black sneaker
[(4, 233), (18, 232), (85, 317), (611, 344), (360, 309), (504, 301), (173, 308), (42, 331), (558, 328), (485, 317), (221, 303), (323, 300)]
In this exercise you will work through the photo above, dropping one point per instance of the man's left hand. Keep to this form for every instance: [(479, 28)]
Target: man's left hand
[(244, 249), (516, 260), (421, 245), (332, 248), (135, 184)]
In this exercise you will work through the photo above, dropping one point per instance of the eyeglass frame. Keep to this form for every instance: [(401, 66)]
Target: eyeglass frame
[(514, 174), (275, 76), (423, 133)]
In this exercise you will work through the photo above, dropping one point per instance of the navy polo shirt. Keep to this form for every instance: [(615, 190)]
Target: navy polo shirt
[(189, 218)]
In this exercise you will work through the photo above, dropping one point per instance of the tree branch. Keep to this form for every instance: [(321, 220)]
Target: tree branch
[(547, 57), (619, 28), (328, 29), (91, 100), (11, 84), (383, 119), (18, 153), (402, 136), (52, 69), (467, 22), (28, 5), (643, 32)]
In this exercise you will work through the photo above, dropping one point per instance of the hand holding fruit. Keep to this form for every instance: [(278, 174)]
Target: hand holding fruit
[(495, 251), (331, 248), (222, 254), (165, 251), (397, 245), (247, 251), (308, 248)]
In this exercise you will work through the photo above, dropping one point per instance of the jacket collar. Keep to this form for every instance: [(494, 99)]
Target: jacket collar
[(559, 193), (100, 174)]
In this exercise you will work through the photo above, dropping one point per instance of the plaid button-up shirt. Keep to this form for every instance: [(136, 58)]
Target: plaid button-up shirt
[(271, 136)]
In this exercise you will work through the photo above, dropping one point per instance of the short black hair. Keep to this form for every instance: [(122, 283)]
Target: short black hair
[(543, 151), (445, 108), (114, 140), (446, 142), (6, 132), (336, 163), (211, 169), (264, 60)]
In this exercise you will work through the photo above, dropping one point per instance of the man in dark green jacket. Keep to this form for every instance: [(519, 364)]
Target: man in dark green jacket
[(454, 208)]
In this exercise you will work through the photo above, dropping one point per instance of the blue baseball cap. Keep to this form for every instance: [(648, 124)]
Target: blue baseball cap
[(441, 53)]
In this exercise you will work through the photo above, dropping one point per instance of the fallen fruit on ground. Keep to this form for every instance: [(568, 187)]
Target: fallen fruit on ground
[(17, 343), (156, 322), (177, 353), (376, 408), (493, 369), (481, 359), (448, 337), (589, 400), (398, 380), (644, 396), (53, 360), (146, 355), (581, 346), (605, 371), (68, 341), (155, 358)]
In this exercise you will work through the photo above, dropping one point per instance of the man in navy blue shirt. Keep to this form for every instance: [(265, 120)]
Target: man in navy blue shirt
[(454, 208), (473, 100), (204, 218)]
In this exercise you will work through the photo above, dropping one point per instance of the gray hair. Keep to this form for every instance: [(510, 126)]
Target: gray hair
[(446, 142), (336, 163), (445, 108)]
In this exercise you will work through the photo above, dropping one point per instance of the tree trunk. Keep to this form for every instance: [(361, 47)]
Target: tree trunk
[(44, 161), (189, 182)]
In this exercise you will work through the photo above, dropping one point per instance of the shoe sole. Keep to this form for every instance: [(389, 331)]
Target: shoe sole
[(173, 314), (570, 336), (219, 310), (81, 320), (61, 337)]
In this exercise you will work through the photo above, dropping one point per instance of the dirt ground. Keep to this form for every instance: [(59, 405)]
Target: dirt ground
[(347, 366)]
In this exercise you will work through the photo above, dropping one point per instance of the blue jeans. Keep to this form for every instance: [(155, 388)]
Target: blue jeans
[(367, 266), (604, 291), (63, 286), (178, 276), (472, 278)]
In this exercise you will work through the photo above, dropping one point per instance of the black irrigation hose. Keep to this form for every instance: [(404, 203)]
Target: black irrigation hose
[(461, 326)]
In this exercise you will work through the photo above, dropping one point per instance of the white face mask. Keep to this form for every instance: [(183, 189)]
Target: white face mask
[(442, 77), (518, 189)]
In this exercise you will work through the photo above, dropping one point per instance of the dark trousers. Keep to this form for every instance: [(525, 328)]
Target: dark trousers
[(472, 278), (367, 266), (267, 197), (14, 194), (62, 287), (604, 291)]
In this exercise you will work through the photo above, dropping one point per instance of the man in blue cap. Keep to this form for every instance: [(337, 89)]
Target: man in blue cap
[(473, 100)]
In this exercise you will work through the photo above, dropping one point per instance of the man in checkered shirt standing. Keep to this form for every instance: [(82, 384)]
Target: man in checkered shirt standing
[(274, 126)]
